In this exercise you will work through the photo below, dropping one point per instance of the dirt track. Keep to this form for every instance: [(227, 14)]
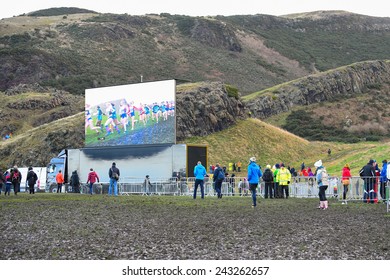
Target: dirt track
[(71, 226)]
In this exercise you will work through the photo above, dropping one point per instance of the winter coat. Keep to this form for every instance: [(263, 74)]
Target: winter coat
[(254, 173), (92, 177), (283, 176), (346, 173)]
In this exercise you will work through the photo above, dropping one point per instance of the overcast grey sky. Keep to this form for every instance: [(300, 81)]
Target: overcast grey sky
[(201, 7)]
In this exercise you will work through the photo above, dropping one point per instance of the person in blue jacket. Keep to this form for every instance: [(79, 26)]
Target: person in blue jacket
[(200, 173), (254, 175)]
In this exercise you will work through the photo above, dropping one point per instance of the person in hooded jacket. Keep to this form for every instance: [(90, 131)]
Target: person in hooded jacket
[(276, 181), (92, 178), (199, 172), (383, 179), (254, 175), (16, 178), (346, 180), (284, 178)]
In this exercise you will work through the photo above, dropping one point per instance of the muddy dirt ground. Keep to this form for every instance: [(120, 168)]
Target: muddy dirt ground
[(75, 226)]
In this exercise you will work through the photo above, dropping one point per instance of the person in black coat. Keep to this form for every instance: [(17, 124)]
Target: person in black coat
[(367, 173), (31, 179)]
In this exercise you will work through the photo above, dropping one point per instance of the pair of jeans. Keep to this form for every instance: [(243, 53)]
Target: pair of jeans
[(197, 183), (268, 189), (253, 188), (59, 187), (113, 184), (90, 187)]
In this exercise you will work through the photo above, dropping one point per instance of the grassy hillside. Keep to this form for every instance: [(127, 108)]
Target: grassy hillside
[(270, 145)]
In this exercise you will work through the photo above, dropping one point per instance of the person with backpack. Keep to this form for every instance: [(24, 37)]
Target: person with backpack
[(199, 172), (254, 175), (268, 178), (218, 178), (31, 179), (92, 178), (113, 174), (75, 182), (323, 183), (16, 178)]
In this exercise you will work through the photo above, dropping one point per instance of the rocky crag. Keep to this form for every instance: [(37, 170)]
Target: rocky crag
[(333, 85)]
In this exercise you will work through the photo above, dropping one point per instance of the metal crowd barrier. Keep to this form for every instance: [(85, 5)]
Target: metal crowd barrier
[(300, 187)]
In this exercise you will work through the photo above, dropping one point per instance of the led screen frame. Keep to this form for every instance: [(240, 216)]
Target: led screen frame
[(134, 114)]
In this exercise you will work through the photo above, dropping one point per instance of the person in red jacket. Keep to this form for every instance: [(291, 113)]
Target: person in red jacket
[(92, 178), (346, 180)]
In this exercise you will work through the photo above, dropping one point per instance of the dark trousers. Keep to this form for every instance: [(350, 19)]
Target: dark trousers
[(276, 190), (197, 183), (218, 187), (253, 188), (31, 188), (383, 190), (59, 187), (345, 190), (7, 188), (321, 194), (1, 186), (368, 189), (16, 188), (268, 189), (284, 191)]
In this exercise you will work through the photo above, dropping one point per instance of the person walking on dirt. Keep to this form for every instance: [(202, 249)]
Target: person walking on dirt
[(92, 178), (59, 180), (323, 183), (114, 174), (200, 173), (346, 180), (16, 178), (254, 175), (218, 178), (31, 179), (75, 182)]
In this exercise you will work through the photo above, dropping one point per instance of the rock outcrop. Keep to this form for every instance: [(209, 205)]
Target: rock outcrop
[(329, 86), (206, 108)]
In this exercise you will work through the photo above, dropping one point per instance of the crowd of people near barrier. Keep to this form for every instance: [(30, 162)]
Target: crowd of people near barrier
[(276, 180)]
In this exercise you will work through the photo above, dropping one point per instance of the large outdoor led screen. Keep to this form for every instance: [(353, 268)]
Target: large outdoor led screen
[(136, 114)]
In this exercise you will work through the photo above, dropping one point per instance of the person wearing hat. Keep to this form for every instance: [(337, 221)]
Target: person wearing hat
[(367, 173), (323, 182), (383, 179), (346, 180), (254, 175), (284, 178), (113, 174), (268, 178)]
